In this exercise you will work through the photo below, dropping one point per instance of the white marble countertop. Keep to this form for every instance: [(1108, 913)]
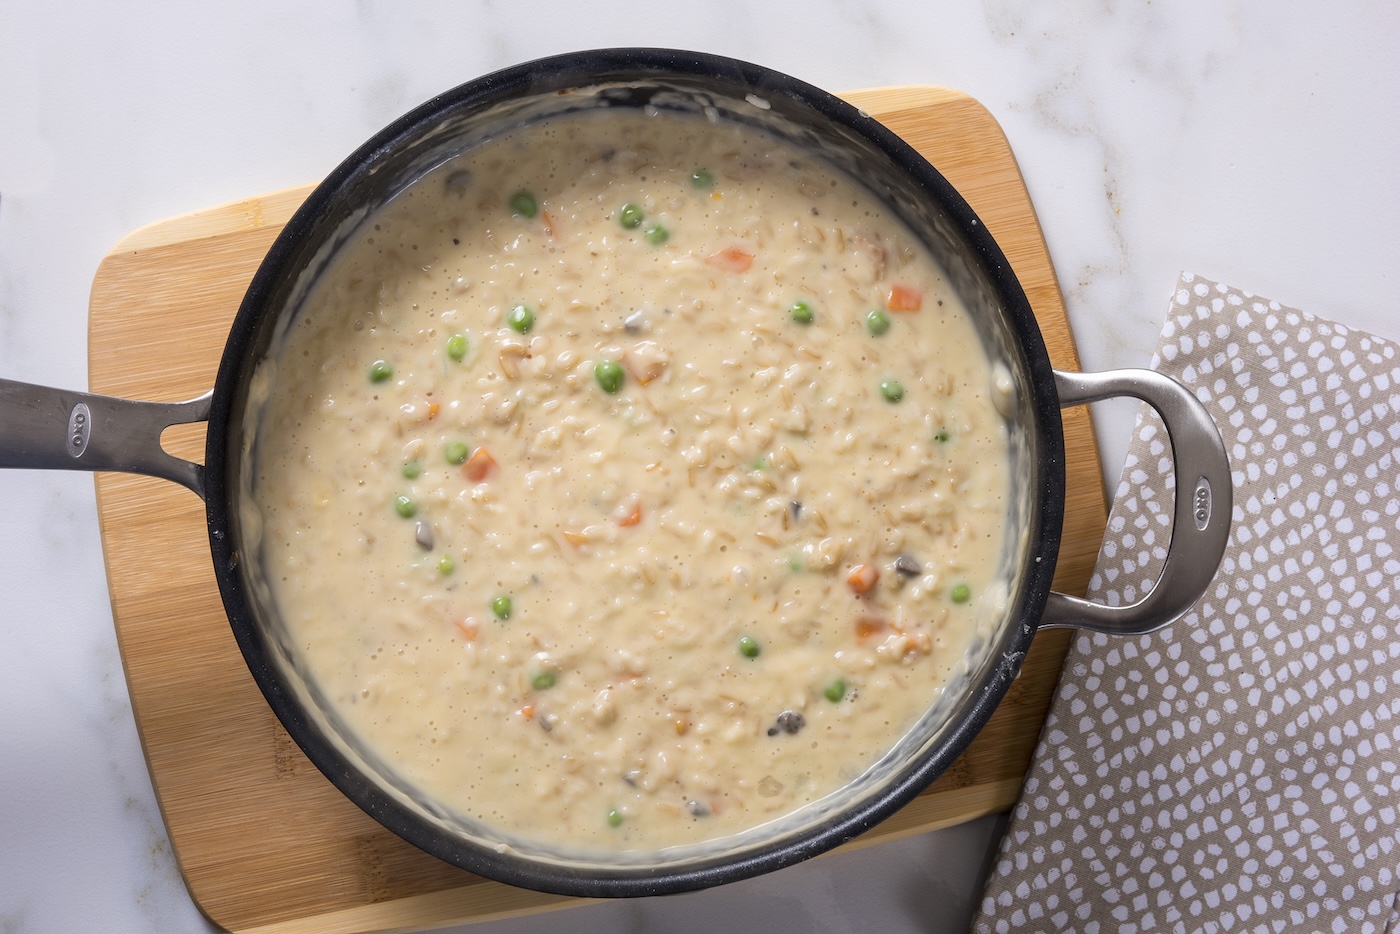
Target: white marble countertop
[(1252, 142)]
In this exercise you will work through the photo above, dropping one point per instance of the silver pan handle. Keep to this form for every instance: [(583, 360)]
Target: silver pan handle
[(54, 429), (1204, 502)]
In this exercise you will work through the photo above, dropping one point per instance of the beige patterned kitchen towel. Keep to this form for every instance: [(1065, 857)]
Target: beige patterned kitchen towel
[(1240, 769)]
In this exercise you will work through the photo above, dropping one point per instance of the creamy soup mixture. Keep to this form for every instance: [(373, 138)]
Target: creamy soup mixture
[(632, 481)]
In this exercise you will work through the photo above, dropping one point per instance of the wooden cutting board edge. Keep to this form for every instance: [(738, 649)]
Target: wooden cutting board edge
[(906, 110)]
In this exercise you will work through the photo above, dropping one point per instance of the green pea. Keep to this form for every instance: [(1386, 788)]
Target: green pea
[(614, 818), (657, 235), (412, 470), (446, 565), (702, 178), (961, 593), (630, 216), (457, 347), (524, 204), (380, 371), (501, 606), (456, 452), (609, 375), (835, 691), (877, 322), (941, 435), (801, 312), (543, 681), (520, 318), (796, 565), (405, 507), (892, 390), (749, 647)]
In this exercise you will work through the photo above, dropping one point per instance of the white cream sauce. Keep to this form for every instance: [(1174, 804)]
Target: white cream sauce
[(733, 583)]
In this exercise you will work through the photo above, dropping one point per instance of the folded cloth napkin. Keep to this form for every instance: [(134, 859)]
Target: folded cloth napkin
[(1238, 770)]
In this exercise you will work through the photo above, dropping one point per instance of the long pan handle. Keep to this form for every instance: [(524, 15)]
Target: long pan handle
[(55, 429)]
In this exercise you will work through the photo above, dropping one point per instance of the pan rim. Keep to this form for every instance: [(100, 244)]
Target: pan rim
[(224, 448)]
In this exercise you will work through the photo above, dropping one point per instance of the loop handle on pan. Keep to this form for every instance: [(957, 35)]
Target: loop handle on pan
[(55, 429), (1204, 503)]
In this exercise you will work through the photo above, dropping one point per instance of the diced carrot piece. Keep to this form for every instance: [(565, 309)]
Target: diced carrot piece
[(633, 516), (433, 410), (867, 626), (863, 577), (731, 259), (528, 711), (479, 466), (904, 298)]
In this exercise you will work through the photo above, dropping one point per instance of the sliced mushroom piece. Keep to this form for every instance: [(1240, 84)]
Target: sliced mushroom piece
[(789, 721), (906, 566)]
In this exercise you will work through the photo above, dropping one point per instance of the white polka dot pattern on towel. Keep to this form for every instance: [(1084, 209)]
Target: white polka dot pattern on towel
[(1240, 769)]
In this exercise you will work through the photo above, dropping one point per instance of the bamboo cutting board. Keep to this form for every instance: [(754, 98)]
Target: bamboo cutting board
[(265, 843)]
